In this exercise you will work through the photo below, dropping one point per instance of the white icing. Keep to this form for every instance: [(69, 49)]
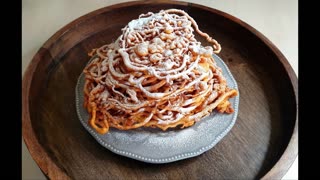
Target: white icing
[(168, 52), (104, 95), (178, 117), (139, 23), (168, 64)]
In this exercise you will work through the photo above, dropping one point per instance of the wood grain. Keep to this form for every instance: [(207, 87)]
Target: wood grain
[(262, 144)]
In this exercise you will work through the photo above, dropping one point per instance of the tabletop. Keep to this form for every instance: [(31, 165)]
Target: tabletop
[(276, 19)]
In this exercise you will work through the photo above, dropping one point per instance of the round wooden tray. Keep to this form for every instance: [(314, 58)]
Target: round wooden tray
[(262, 143)]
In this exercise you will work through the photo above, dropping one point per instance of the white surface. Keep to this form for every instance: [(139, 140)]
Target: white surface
[(276, 19)]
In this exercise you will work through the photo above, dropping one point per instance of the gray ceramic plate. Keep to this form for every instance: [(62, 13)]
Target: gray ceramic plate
[(156, 146)]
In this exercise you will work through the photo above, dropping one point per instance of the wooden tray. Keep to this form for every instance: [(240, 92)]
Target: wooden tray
[(263, 142)]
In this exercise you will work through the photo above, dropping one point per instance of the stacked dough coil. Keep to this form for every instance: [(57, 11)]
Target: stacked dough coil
[(156, 74)]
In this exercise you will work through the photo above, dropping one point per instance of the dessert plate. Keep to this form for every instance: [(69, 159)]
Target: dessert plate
[(157, 146)]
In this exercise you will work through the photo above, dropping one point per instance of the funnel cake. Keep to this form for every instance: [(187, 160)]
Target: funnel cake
[(156, 74)]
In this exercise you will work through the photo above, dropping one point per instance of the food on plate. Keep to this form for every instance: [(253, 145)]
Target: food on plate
[(156, 74)]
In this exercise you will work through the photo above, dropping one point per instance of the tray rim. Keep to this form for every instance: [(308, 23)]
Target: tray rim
[(48, 166)]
